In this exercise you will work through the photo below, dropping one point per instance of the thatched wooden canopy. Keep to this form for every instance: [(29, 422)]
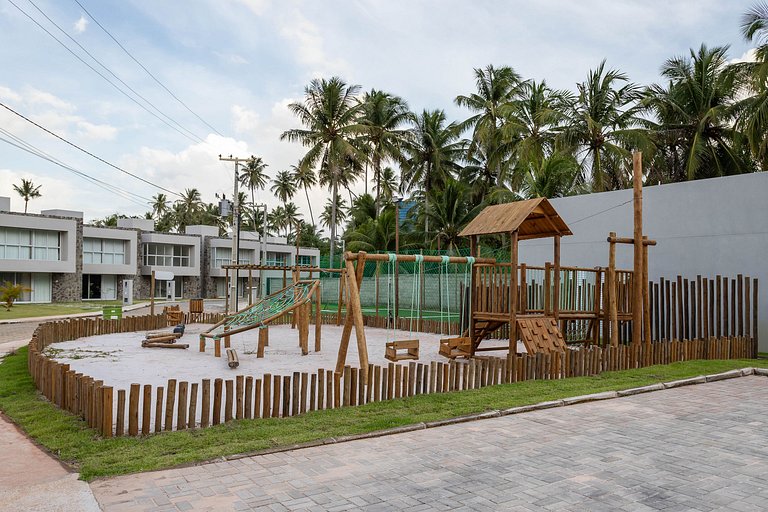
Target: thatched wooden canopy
[(534, 218)]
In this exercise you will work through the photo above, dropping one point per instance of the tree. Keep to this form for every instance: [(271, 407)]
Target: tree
[(433, 150), (292, 217), (449, 211), (186, 210), (306, 179), (754, 118), (496, 89), (602, 126), (159, 205), (27, 190), (283, 187), (696, 113), (338, 207), (381, 116), (9, 293), (389, 186), (254, 177), (375, 234), (329, 114), (551, 176)]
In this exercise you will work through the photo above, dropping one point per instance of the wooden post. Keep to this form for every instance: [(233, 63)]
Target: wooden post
[(342, 277), (556, 294), (513, 292), (637, 285), (611, 285), (472, 297), (250, 286), (318, 318), (226, 292), (152, 294), (646, 297)]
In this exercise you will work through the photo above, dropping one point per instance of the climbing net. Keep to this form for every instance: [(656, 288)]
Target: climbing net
[(268, 307)]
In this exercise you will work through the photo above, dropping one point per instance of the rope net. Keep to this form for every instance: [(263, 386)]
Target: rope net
[(268, 307)]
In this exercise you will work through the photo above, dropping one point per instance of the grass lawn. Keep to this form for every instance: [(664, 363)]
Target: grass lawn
[(56, 308), (67, 437)]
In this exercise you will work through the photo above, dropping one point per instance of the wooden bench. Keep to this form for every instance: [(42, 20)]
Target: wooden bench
[(394, 350)]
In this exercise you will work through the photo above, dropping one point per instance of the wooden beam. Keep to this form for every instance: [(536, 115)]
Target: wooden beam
[(629, 241), (513, 257), (610, 284), (556, 295), (412, 258), (646, 298)]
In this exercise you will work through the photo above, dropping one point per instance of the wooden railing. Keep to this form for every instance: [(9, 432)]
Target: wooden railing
[(178, 405)]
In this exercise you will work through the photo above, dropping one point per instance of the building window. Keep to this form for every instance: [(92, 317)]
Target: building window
[(277, 259), (167, 255), (29, 244), (22, 278), (103, 251), (306, 260), (223, 256)]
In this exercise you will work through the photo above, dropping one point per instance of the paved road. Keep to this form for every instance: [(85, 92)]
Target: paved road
[(700, 448)]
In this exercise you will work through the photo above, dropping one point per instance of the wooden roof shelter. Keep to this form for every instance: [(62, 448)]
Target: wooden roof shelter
[(521, 220), (533, 218)]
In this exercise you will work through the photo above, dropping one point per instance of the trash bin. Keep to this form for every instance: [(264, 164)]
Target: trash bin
[(112, 312)]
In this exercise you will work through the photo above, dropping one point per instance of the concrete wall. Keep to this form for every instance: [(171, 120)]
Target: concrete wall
[(130, 236), (69, 228), (706, 227)]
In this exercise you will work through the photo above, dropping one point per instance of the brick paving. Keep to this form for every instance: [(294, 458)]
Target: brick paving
[(701, 447)]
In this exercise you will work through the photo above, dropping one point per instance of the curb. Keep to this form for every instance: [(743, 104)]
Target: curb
[(605, 395), (51, 318)]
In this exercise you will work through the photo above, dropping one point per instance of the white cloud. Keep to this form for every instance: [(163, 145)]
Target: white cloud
[(9, 94), (37, 97), (308, 44), (244, 120), (55, 192), (231, 58), (80, 25), (96, 131)]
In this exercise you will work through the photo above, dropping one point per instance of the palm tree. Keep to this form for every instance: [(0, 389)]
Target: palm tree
[(496, 89), (254, 177), (602, 126), (754, 120), (331, 208), (376, 234), (292, 216), (362, 210), (551, 176), (186, 210), (449, 210), (159, 205), (696, 113), (382, 115), (306, 179), (388, 184), (329, 115), (276, 219), (432, 150), (283, 186), (27, 190)]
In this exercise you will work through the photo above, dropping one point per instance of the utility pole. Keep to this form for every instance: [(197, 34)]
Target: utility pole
[(235, 229)]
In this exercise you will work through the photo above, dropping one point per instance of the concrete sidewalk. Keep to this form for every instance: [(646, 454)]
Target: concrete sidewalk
[(699, 448), (31, 480)]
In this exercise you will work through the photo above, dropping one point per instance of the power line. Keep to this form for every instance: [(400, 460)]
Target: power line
[(145, 69), (193, 138), (97, 61), (86, 151), (31, 149)]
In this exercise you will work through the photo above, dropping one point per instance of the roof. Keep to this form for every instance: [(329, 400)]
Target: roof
[(534, 218)]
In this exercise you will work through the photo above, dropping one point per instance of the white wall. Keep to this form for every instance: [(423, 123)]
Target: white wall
[(707, 227)]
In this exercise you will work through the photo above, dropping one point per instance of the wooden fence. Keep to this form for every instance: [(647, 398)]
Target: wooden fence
[(180, 405)]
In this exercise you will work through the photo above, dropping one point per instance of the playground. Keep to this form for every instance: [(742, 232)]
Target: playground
[(402, 325)]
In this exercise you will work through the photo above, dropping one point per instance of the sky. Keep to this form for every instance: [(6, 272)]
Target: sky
[(236, 65)]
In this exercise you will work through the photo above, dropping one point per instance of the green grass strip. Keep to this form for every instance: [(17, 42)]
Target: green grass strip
[(67, 437)]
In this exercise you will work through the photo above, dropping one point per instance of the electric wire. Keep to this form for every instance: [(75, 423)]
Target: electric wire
[(78, 57), (33, 150), (97, 61), (157, 80), (100, 159)]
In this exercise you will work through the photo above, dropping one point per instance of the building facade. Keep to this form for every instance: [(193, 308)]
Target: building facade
[(58, 258)]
